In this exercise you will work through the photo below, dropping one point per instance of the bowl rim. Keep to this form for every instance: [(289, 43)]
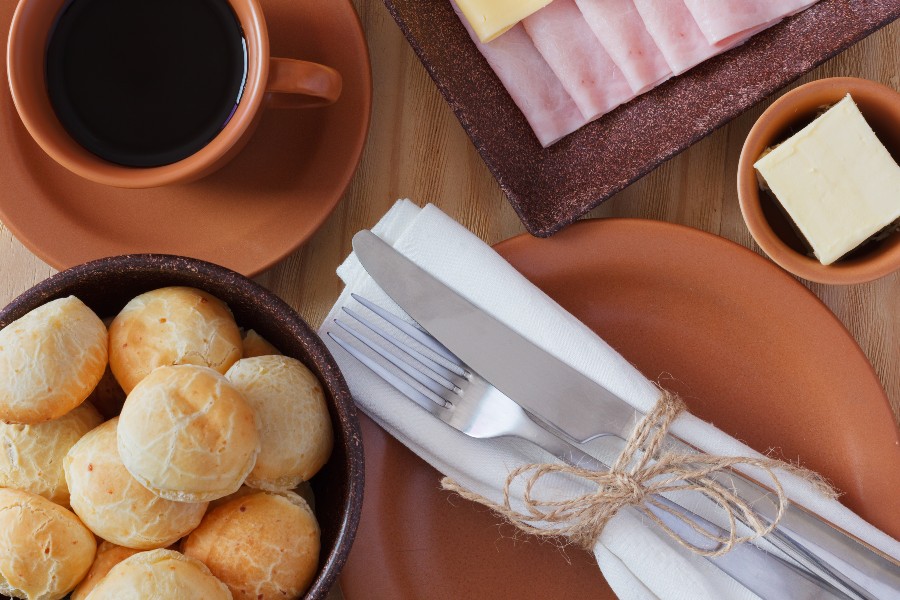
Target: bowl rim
[(854, 271), (333, 380)]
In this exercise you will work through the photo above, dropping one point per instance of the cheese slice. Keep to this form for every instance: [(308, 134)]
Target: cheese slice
[(836, 180), (491, 18)]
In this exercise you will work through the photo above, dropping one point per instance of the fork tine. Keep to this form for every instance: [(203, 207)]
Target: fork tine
[(400, 385), (416, 333), (441, 371), (419, 376)]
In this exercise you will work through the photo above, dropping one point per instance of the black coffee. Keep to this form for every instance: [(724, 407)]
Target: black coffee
[(146, 83)]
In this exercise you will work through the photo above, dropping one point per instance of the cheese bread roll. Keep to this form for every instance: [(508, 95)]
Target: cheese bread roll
[(186, 434), (114, 505), (50, 361), (172, 326), (295, 428), (262, 546), (32, 455), (44, 548), (159, 574)]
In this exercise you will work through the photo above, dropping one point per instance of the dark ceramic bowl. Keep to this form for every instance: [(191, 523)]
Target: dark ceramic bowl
[(107, 284)]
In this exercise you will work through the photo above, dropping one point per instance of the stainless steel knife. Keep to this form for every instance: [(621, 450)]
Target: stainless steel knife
[(582, 410)]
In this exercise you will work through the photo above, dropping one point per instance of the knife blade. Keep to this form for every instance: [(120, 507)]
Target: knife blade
[(581, 409), (551, 389)]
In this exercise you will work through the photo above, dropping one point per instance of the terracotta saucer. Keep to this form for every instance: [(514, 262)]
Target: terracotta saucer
[(746, 345), (247, 216)]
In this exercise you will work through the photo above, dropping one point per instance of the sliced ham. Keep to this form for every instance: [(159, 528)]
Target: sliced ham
[(720, 20), (575, 60), (531, 83), (621, 31), (579, 61), (678, 36), (676, 33)]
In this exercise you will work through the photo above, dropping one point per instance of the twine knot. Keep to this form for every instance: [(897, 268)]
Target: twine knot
[(639, 473), (627, 486)]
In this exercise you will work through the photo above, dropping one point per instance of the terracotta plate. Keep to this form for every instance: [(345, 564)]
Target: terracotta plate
[(748, 347), (248, 216), (550, 188)]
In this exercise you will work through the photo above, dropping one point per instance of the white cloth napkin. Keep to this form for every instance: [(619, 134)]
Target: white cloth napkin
[(636, 559)]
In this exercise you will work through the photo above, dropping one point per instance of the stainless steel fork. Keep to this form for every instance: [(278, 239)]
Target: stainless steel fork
[(462, 399)]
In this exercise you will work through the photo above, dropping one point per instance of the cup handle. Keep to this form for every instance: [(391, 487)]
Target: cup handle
[(301, 84)]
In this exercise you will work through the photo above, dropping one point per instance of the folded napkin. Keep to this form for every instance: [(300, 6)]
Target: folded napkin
[(637, 560)]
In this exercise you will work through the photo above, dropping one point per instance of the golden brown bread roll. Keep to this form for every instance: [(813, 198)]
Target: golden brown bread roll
[(257, 345), (31, 456), (295, 428), (262, 546), (159, 574), (114, 505), (50, 361), (108, 556), (187, 434), (172, 326), (44, 548)]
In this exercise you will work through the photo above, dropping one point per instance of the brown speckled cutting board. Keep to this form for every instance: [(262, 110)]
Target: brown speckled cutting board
[(550, 188)]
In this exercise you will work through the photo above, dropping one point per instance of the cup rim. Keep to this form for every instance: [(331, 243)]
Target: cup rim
[(859, 270), (80, 161)]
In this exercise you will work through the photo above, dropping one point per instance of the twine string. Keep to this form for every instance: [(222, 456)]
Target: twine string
[(639, 473)]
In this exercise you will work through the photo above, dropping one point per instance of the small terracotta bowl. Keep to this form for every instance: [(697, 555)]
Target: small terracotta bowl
[(107, 284), (770, 226)]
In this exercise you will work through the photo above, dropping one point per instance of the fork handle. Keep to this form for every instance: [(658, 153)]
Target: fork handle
[(767, 575), (818, 545)]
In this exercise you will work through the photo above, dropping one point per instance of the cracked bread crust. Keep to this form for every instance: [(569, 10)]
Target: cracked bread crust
[(159, 574), (31, 456), (172, 326), (50, 361), (44, 549), (114, 505), (186, 434), (296, 436), (262, 546)]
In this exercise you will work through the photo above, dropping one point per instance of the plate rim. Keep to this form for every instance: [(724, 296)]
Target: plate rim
[(777, 271)]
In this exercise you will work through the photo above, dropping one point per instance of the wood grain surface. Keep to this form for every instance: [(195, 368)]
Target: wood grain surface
[(416, 149)]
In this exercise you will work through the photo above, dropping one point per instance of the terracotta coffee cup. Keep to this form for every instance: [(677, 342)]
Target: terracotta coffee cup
[(270, 82)]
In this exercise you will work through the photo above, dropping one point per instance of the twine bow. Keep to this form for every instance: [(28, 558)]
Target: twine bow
[(634, 480)]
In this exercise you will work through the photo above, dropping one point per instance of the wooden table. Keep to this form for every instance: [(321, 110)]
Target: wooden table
[(417, 149)]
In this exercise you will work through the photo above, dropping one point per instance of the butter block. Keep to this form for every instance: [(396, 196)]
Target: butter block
[(836, 181), (491, 18)]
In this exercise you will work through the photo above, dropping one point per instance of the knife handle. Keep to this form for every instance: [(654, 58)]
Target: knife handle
[(776, 579), (815, 543)]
